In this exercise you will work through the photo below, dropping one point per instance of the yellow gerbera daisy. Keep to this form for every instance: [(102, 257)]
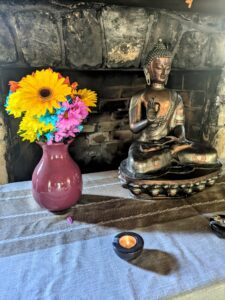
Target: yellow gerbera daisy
[(87, 96), (30, 128), (39, 92)]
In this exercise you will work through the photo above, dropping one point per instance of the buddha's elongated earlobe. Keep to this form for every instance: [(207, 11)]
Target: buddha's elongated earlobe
[(147, 76)]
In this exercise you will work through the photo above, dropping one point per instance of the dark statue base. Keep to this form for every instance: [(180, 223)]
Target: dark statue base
[(175, 182)]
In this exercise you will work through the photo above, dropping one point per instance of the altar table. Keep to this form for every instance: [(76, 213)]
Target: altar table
[(43, 256)]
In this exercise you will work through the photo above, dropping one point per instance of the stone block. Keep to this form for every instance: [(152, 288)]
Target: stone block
[(110, 151), (2, 149), (193, 116), (213, 21), (109, 126), (3, 171), (138, 78), (221, 85), (213, 87), (112, 78), (194, 133), (83, 38), (39, 39), (3, 145), (217, 108), (110, 92), (99, 117), (195, 80), (168, 29), (95, 153), (89, 128), (186, 97), (125, 33), (223, 24), (78, 149), (22, 159), (192, 50), (214, 135), (209, 132), (123, 135), (2, 128), (2, 133), (216, 57), (131, 91), (95, 157), (120, 114), (86, 155), (114, 105), (198, 99), (213, 113), (175, 80), (98, 138), (219, 142), (7, 47), (221, 115)]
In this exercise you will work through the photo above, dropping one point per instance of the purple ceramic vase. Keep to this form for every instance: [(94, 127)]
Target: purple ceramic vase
[(56, 180)]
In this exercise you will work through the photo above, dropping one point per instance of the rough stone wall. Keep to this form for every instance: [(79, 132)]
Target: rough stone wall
[(3, 170), (198, 90), (214, 128), (96, 39), (98, 36)]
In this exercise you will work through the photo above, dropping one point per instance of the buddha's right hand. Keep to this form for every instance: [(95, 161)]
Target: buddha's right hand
[(152, 110)]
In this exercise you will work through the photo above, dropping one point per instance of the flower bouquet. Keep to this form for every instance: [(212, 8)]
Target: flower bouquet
[(51, 110)]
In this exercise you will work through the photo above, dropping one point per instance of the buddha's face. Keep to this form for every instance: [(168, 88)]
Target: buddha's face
[(159, 69)]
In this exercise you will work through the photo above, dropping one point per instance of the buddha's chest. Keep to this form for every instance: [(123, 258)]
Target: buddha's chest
[(160, 102)]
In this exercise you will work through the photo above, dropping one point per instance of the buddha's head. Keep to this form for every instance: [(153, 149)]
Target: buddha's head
[(158, 64)]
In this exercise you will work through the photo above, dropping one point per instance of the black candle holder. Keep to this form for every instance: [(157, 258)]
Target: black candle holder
[(217, 224), (128, 245)]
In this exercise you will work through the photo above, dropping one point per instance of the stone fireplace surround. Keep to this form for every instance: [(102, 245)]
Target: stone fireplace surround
[(103, 46)]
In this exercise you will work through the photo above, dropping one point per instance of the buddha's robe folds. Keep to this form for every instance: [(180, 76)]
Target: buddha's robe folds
[(157, 147)]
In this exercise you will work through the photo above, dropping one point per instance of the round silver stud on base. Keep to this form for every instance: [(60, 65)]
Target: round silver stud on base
[(160, 189)]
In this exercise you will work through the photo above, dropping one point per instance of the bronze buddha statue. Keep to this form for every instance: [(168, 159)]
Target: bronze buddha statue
[(162, 162)]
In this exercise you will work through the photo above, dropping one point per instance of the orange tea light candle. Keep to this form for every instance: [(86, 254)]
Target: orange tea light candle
[(128, 245), (127, 241)]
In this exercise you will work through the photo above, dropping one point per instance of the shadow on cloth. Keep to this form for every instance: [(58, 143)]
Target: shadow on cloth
[(95, 216), (156, 261), (135, 213)]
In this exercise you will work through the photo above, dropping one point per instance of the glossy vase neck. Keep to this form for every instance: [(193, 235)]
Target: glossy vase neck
[(57, 150)]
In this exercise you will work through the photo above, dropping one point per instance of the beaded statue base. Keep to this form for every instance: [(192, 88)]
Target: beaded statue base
[(175, 182)]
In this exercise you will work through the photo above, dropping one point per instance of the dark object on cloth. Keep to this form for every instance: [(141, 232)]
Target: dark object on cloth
[(128, 245), (217, 224)]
